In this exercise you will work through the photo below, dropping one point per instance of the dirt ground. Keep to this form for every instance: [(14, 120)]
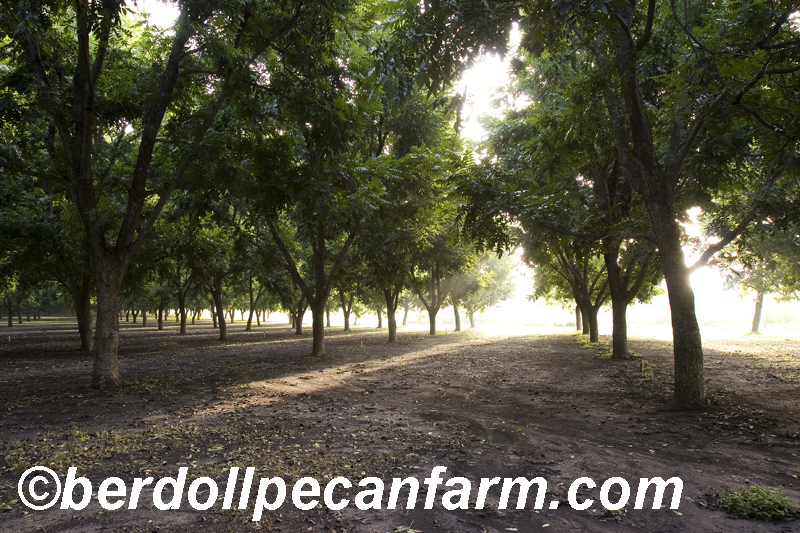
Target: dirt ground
[(481, 406)]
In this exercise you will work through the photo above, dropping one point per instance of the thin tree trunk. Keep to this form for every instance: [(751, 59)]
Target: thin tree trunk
[(472, 319), (135, 314), (144, 318), (220, 311), (405, 316), (457, 317), (391, 312), (578, 319), (183, 311), (380, 319), (128, 315), (83, 310), (298, 318), (327, 316), (757, 315), (585, 323), (346, 308), (249, 326)]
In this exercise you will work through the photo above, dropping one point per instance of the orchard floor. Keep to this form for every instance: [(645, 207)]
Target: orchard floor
[(477, 404)]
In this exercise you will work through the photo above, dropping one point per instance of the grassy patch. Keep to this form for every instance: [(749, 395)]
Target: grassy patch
[(646, 370), (760, 503), (600, 347)]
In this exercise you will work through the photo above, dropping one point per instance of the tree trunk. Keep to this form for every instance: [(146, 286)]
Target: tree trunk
[(220, 311), (380, 319), (135, 314), (578, 319), (346, 308), (298, 318), (472, 319), (327, 316), (160, 318), (249, 326), (432, 311), (10, 308), (182, 310), (214, 315), (619, 334), (687, 344), (83, 309), (391, 311), (757, 315), (457, 317), (144, 318), (585, 329), (594, 333), (318, 330), (405, 316), (108, 279), (128, 315), (19, 314)]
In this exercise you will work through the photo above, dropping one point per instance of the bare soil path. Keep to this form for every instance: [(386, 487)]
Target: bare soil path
[(481, 406)]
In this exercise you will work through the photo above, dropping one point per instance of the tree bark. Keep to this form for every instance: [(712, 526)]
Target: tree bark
[(585, 329), (687, 344), (457, 317), (391, 311), (405, 316), (183, 310), (318, 330), (144, 318), (83, 310), (298, 316), (380, 319), (216, 294), (327, 316), (619, 334), (432, 319), (594, 333), (578, 319), (108, 280), (757, 315), (472, 319), (347, 306)]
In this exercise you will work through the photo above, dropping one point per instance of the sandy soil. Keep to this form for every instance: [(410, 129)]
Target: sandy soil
[(479, 405)]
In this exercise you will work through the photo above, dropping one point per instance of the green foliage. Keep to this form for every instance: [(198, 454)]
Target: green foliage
[(760, 503)]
